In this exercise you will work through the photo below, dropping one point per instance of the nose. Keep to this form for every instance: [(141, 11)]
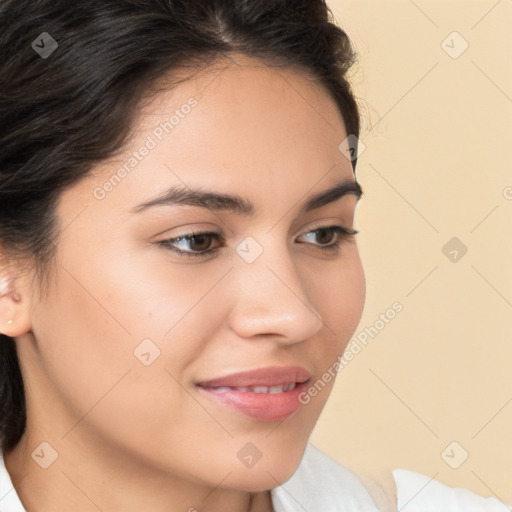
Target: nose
[(271, 301)]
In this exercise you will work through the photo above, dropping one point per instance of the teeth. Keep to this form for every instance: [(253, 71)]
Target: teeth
[(260, 389)]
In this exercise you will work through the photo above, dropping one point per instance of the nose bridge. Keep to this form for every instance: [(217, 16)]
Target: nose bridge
[(270, 298)]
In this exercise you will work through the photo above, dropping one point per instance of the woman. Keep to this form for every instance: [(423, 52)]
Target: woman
[(179, 267)]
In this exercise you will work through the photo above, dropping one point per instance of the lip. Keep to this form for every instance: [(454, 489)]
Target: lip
[(268, 376), (259, 406)]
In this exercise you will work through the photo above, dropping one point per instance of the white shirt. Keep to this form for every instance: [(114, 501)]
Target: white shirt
[(420, 493), (321, 484)]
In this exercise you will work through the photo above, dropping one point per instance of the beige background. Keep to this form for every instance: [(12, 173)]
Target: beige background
[(437, 165)]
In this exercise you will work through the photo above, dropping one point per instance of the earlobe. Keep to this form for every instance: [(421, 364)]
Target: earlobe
[(14, 318)]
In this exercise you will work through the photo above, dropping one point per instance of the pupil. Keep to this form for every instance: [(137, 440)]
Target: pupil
[(201, 239), (324, 231)]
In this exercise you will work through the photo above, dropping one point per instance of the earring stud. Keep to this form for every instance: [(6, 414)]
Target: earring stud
[(9, 322)]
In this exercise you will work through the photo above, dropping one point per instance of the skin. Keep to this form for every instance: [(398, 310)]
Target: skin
[(133, 437)]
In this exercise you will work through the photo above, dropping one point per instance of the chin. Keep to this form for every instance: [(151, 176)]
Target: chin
[(257, 480), (278, 463)]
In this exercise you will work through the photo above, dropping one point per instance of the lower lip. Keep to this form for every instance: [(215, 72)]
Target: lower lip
[(259, 406)]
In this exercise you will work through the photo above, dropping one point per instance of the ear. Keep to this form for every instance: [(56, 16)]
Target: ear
[(14, 302)]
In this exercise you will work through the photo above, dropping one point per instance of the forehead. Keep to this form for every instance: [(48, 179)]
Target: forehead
[(240, 96), (238, 126)]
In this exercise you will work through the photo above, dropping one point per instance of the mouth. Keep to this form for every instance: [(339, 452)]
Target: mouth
[(258, 389), (266, 394)]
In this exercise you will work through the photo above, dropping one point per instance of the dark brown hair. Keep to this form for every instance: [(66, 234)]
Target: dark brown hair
[(63, 112)]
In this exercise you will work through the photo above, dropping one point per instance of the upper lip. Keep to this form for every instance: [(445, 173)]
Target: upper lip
[(269, 376)]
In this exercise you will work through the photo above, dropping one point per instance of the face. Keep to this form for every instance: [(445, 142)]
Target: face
[(132, 331)]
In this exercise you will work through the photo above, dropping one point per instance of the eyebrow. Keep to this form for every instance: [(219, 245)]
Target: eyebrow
[(239, 205)]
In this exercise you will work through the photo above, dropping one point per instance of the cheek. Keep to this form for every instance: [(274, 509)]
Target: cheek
[(95, 318), (353, 297), (84, 347), (111, 303), (342, 297)]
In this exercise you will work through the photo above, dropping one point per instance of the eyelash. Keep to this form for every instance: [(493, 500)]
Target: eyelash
[(342, 232)]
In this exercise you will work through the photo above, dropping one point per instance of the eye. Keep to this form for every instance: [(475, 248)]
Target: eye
[(199, 243), (327, 233)]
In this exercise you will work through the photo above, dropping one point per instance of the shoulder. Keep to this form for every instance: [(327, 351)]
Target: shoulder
[(422, 493), (321, 483)]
